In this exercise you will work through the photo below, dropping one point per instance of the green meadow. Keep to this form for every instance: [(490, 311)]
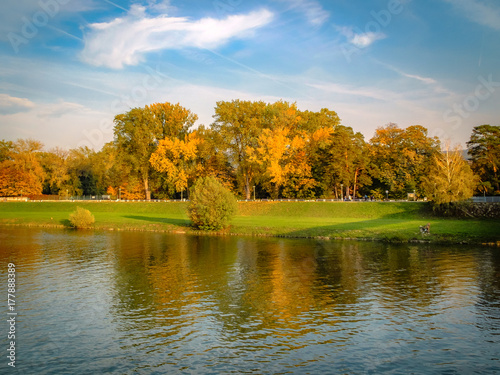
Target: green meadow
[(386, 221)]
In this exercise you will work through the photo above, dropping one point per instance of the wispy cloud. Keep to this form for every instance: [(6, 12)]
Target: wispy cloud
[(60, 109), (363, 92), (10, 104), (427, 80), (486, 13), (360, 39), (124, 41), (312, 9)]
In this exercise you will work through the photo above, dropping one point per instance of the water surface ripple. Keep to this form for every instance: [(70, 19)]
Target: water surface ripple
[(148, 303)]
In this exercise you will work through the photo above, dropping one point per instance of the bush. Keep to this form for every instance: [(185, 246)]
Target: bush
[(211, 205), (81, 218)]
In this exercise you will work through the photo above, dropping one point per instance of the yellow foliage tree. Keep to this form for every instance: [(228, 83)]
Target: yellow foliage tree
[(176, 158), (450, 179), (282, 156)]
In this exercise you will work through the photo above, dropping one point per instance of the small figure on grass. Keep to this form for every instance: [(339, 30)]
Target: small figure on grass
[(425, 229)]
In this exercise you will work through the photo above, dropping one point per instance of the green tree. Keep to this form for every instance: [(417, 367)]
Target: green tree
[(238, 125), (484, 149), (213, 160), (57, 178), (341, 162), (5, 150), (400, 158), (211, 205), (82, 178), (313, 121), (450, 178)]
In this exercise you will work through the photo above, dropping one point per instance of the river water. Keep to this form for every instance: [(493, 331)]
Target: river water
[(151, 303)]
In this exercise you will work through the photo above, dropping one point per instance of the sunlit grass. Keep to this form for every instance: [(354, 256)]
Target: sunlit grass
[(389, 221)]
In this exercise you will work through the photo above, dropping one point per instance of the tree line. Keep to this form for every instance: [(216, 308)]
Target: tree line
[(267, 150)]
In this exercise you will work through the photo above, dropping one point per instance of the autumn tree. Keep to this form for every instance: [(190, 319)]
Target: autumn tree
[(21, 172), (176, 159), (450, 178), (484, 149), (282, 157), (138, 132)]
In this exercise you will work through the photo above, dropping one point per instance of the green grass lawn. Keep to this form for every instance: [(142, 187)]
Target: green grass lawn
[(390, 221)]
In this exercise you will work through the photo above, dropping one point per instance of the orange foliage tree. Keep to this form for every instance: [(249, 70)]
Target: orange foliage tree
[(20, 171)]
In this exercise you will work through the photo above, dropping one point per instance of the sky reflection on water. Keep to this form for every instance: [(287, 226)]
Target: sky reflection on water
[(126, 302)]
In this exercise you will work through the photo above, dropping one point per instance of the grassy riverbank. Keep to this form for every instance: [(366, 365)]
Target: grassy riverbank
[(389, 221)]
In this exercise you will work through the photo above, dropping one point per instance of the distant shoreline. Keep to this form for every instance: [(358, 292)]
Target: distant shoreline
[(393, 222)]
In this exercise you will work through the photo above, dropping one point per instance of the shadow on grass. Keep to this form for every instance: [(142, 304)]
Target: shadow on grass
[(66, 223), (381, 228), (395, 228), (163, 220)]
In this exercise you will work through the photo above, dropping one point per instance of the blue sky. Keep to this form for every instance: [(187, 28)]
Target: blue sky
[(69, 66)]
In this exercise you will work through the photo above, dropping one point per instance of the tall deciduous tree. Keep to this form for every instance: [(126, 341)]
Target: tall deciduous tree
[(212, 159), (400, 157), (57, 178), (484, 148), (341, 162), (138, 132), (283, 158), (238, 125), (450, 178)]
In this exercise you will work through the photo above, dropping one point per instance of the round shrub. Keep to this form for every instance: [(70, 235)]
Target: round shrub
[(211, 205), (81, 218)]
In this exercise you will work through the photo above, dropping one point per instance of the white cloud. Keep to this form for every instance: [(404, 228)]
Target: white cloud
[(361, 39), (124, 41), (365, 39), (481, 12), (56, 124), (10, 104)]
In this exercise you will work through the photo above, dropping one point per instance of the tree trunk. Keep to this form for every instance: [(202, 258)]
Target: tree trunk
[(146, 189), (247, 188), (355, 182)]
